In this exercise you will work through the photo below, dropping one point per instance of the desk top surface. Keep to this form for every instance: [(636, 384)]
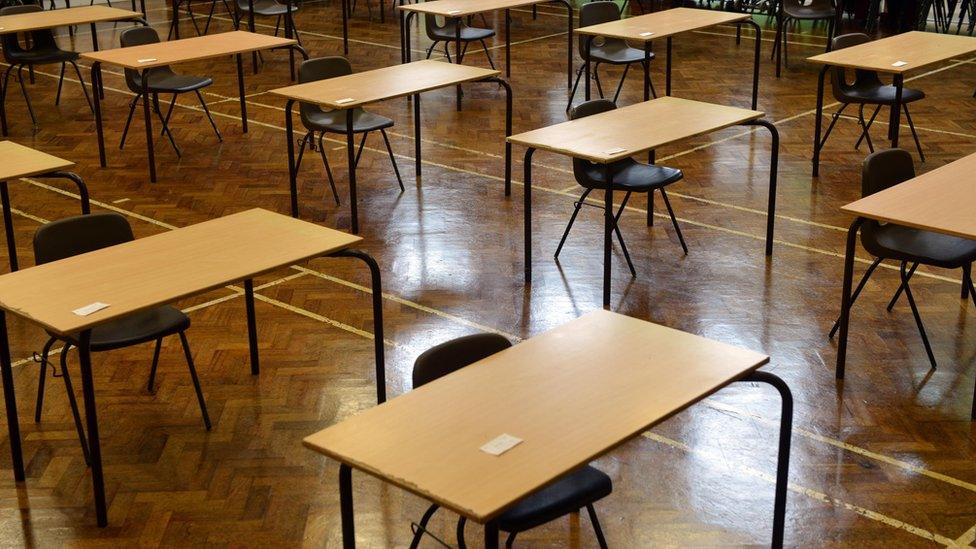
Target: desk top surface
[(48, 19), (461, 8), (661, 24), (571, 395), (899, 53), (188, 49), (21, 161)]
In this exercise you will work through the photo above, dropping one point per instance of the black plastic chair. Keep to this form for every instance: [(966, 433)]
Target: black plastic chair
[(315, 119), (264, 8), (85, 233), (906, 245), (629, 176), (867, 89), (447, 33), (802, 10), (43, 50), (161, 80), (612, 51), (579, 489)]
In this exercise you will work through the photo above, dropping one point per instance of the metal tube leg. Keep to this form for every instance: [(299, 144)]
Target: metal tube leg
[(72, 402), (240, 91), (96, 76), (10, 402), (151, 384), (527, 213), (783, 454), (857, 292), (918, 317), (42, 378), (195, 379), (148, 121), (508, 44), (586, 68), (416, 138), (292, 167), (818, 122), (569, 44), (901, 288), (458, 54), (377, 293), (755, 63), (91, 417), (893, 127), (345, 502), (8, 226), (508, 132), (252, 327), (491, 535), (773, 168), (667, 69), (845, 297), (345, 27), (351, 159), (607, 234)]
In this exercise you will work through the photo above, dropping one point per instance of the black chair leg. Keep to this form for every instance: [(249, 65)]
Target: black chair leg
[(359, 152), (422, 526), (128, 120), (620, 85), (967, 279), (165, 130), (572, 94), (833, 122), (460, 533), (572, 219), (865, 134), (196, 380), (39, 401), (918, 318), (596, 526), (301, 149), (620, 237), (511, 539), (84, 88), (857, 292), (213, 124), (74, 403), (901, 288), (328, 170), (911, 126), (972, 290), (674, 221), (151, 385), (596, 78), (23, 89), (392, 159), (57, 96), (488, 54), (430, 50)]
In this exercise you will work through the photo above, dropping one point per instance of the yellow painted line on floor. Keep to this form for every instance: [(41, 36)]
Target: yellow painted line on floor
[(713, 457), (326, 320), (967, 538)]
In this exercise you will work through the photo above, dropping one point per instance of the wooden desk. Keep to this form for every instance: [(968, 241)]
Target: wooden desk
[(20, 161), (628, 131), (915, 49), (154, 271), (458, 9), (644, 29), (556, 392), (356, 90), (145, 57), (942, 201)]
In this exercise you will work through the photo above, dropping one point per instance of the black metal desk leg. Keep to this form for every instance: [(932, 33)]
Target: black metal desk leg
[(845, 297), (76, 179), (457, 55), (91, 417), (607, 234), (491, 535), (176, 18), (96, 83), (149, 132), (351, 159), (508, 44), (818, 121), (345, 502), (416, 137), (94, 35), (569, 45), (783, 455), (10, 402), (586, 68), (3, 107), (508, 132), (527, 213), (240, 89), (755, 62), (377, 292), (894, 126), (773, 168), (667, 68), (8, 225), (289, 33), (252, 326), (251, 27), (345, 26), (292, 171), (647, 70)]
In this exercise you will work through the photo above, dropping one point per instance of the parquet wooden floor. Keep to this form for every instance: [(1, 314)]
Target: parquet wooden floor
[(884, 459)]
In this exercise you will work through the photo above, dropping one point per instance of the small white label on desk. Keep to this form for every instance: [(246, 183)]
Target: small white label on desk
[(899, 63), (344, 100), (500, 444), (90, 308), (617, 150), (452, 12), (646, 33), (147, 60)]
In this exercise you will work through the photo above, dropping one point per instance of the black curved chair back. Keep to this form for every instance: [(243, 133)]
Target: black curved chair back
[(455, 354), (838, 77), (139, 36), (79, 234), (881, 170), (594, 13), (589, 108), (320, 68), (40, 39)]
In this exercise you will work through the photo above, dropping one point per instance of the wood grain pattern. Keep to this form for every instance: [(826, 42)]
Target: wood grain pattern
[(21, 161), (187, 49), (381, 84), (571, 395), (942, 200), (917, 49), (152, 271), (460, 8), (49, 19), (624, 132), (662, 24)]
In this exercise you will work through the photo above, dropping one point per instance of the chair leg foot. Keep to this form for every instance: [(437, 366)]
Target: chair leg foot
[(195, 379)]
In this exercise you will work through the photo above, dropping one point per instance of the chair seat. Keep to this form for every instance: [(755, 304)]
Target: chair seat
[(42, 56), (166, 81), (468, 34), (268, 7), (809, 12), (914, 245), (138, 328), (335, 121), (879, 95), (616, 52), (630, 175), (567, 495)]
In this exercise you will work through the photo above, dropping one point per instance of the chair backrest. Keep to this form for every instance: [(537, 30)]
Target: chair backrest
[(455, 354), (595, 13), (881, 170), (838, 76), (79, 234), (588, 108), (43, 38), (320, 68), (138, 36)]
